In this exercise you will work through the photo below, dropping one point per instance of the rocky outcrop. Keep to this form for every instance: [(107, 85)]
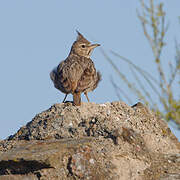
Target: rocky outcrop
[(93, 141)]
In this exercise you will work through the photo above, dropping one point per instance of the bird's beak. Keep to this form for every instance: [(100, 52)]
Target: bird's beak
[(92, 46)]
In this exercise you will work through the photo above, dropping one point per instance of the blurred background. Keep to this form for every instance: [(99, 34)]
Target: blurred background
[(36, 35)]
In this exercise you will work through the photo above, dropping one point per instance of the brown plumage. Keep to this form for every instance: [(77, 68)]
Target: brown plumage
[(77, 73)]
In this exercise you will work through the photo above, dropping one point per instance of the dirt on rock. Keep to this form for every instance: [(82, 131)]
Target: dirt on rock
[(92, 141)]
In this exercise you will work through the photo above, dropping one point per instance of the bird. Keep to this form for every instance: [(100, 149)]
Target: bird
[(77, 73)]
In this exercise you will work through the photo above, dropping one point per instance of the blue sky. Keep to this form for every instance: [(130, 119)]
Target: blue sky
[(36, 35)]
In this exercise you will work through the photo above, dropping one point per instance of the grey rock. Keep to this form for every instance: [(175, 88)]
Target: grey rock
[(92, 141)]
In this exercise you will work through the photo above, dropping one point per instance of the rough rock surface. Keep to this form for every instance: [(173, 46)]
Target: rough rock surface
[(93, 141)]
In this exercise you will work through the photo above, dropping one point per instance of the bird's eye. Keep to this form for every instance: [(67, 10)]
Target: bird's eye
[(83, 46)]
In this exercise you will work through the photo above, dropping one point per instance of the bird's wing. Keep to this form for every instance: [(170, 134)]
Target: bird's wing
[(59, 82), (68, 74)]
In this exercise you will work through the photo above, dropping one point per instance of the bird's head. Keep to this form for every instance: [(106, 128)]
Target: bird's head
[(82, 46)]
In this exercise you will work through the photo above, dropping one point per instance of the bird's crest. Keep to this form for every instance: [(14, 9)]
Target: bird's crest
[(81, 38)]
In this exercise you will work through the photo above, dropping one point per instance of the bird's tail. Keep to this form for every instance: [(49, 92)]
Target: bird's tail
[(77, 98), (53, 74), (99, 77)]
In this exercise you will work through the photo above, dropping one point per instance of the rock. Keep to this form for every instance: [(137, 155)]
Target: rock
[(93, 141)]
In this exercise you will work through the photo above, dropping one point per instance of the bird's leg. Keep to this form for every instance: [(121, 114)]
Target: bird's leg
[(64, 98), (86, 96), (77, 98)]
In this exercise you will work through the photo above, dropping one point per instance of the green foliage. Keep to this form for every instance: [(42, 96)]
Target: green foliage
[(152, 19)]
